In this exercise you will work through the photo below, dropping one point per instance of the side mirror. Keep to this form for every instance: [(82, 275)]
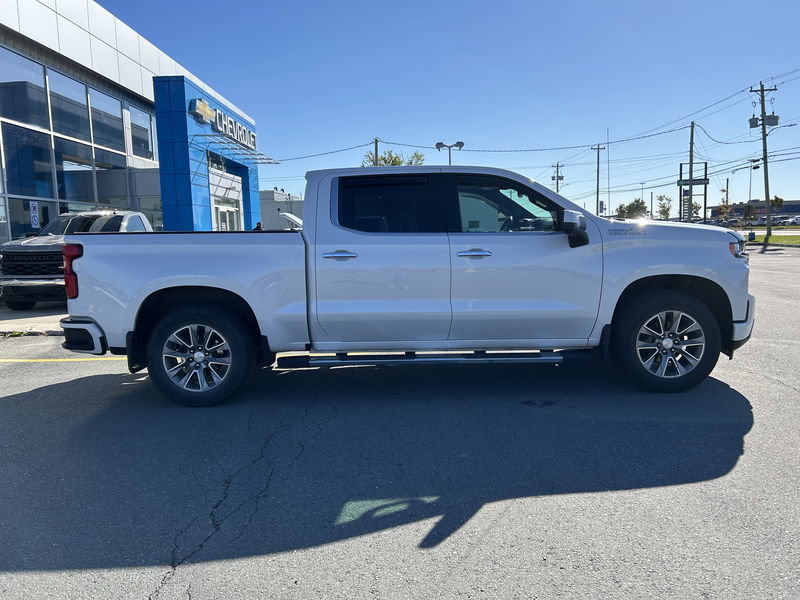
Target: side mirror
[(573, 224)]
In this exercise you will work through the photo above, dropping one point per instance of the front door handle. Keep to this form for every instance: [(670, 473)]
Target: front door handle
[(340, 254), (473, 253)]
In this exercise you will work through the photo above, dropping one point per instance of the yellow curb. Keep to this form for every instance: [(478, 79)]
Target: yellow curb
[(44, 360)]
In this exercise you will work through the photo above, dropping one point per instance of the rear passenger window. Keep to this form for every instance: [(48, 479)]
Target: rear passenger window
[(106, 224), (135, 224), (391, 204)]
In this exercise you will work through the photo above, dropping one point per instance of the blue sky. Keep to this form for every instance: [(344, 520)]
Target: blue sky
[(319, 76)]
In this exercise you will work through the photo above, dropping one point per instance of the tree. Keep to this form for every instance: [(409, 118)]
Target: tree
[(724, 209), (390, 158), (777, 202), (636, 209), (696, 206), (622, 211), (664, 207)]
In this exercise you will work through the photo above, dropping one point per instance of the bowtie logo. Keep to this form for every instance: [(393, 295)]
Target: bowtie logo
[(201, 111)]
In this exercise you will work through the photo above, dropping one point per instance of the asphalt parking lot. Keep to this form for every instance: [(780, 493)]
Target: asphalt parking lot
[(502, 481)]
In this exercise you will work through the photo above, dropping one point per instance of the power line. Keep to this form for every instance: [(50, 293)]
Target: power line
[(325, 153), (713, 139), (552, 149), (691, 114), (774, 77)]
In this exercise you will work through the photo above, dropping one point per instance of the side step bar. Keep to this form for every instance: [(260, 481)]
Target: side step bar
[(417, 358)]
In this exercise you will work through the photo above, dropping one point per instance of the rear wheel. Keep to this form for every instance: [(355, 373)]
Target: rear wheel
[(666, 341), (200, 356), (20, 304)]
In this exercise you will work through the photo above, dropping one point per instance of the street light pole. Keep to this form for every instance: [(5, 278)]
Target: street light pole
[(440, 145)]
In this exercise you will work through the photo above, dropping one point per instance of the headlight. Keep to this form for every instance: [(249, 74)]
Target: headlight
[(737, 249)]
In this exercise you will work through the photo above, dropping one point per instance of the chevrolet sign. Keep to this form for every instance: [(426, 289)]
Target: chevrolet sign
[(222, 123)]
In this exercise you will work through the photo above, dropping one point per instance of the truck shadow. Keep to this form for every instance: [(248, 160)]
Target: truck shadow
[(103, 472)]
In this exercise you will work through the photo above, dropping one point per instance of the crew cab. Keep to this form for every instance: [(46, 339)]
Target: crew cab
[(412, 265), (32, 269)]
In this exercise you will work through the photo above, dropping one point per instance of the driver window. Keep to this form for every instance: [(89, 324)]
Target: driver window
[(492, 205)]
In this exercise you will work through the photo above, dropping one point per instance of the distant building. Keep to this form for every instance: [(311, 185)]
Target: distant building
[(274, 202), (789, 208)]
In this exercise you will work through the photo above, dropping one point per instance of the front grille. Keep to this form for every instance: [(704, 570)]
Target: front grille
[(32, 263)]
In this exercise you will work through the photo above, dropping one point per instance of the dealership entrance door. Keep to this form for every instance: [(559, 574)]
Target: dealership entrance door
[(226, 201)]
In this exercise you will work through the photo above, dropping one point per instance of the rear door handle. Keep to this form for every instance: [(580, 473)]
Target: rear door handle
[(473, 253), (340, 254)]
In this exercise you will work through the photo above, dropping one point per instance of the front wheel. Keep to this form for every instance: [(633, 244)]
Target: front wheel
[(200, 356), (666, 341)]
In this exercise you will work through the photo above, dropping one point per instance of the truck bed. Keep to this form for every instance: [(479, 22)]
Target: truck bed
[(264, 268)]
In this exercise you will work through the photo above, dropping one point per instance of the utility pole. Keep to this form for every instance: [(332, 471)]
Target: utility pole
[(761, 91), (375, 161), (557, 177), (691, 177), (598, 148), (651, 205)]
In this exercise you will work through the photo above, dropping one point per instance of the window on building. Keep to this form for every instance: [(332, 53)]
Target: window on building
[(74, 174), (141, 133), (391, 204), (22, 91), (72, 207), (112, 178), (107, 120), (29, 166), (69, 106), (20, 216)]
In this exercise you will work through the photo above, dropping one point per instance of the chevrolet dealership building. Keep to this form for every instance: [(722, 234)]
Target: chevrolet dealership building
[(94, 116)]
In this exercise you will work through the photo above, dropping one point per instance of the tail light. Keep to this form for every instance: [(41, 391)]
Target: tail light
[(70, 253)]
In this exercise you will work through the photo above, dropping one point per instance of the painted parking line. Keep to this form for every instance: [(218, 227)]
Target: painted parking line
[(49, 360)]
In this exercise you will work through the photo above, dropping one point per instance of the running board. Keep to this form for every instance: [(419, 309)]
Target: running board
[(417, 358)]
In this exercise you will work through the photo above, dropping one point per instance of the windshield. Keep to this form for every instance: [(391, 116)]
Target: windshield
[(82, 224)]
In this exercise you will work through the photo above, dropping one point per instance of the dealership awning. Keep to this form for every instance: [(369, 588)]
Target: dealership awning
[(232, 149)]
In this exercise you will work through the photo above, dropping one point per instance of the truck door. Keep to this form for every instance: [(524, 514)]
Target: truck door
[(514, 275), (382, 260)]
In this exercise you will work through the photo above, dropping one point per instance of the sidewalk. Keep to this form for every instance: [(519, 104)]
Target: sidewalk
[(41, 320)]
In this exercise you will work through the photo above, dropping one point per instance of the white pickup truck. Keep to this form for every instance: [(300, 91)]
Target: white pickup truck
[(412, 265)]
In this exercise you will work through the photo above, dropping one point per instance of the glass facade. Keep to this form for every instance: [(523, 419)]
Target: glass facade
[(64, 146), (22, 91), (69, 105), (141, 133), (74, 172), (19, 212), (112, 178), (107, 120), (29, 164)]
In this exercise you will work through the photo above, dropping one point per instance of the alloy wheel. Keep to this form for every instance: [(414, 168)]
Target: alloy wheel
[(196, 358), (670, 344)]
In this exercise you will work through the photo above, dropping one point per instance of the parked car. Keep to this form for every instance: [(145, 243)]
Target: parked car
[(790, 221), (32, 269), (397, 265)]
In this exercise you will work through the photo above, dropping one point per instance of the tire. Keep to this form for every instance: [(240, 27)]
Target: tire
[(200, 355), (20, 304), (666, 341)]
